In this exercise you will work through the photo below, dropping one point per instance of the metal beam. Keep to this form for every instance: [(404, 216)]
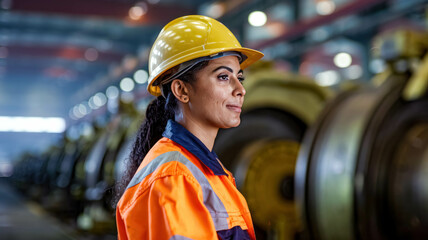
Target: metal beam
[(368, 24), (303, 26), (156, 14)]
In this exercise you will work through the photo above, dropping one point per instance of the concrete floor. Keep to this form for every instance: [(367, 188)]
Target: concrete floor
[(22, 220)]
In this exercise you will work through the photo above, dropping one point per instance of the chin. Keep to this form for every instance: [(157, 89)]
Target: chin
[(230, 122), (234, 124)]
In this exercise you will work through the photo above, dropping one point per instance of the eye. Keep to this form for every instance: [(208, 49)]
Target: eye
[(223, 77), (241, 78)]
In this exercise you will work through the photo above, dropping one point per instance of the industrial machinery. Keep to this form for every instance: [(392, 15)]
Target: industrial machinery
[(42, 170), (362, 171), (99, 172), (262, 151), (59, 200)]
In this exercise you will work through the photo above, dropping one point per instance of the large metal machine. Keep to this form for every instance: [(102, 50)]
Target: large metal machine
[(362, 171)]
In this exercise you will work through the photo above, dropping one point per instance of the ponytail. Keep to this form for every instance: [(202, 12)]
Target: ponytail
[(157, 115), (158, 112)]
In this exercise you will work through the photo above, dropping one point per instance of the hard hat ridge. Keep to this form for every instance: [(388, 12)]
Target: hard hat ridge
[(188, 38)]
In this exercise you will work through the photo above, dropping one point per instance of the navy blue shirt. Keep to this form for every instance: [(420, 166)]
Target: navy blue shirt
[(191, 143)]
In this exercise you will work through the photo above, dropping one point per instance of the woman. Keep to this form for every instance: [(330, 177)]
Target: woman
[(179, 189)]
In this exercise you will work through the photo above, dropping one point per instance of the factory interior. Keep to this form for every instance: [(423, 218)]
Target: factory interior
[(333, 139)]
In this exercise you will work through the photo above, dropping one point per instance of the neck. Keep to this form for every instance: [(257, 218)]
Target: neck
[(205, 134)]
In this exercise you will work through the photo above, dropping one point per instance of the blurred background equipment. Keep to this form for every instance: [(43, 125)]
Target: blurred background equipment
[(332, 143), (362, 172)]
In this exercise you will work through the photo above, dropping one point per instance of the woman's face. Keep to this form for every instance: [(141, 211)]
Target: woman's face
[(217, 95)]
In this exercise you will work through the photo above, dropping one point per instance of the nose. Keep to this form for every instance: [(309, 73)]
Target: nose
[(238, 88)]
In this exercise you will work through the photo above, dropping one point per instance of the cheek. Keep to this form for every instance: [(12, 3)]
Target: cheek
[(213, 99), (213, 96), (218, 99), (207, 104)]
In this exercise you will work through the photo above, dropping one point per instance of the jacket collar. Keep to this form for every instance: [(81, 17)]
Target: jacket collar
[(191, 143)]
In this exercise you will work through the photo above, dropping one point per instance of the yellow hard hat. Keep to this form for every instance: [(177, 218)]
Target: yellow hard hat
[(191, 37)]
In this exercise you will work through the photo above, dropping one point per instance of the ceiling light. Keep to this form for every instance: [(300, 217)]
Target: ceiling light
[(76, 112), (325, 7), (342, 60), (214, 10), (82, 109), (71, 114), (137, 11), (327, 78), (100, 99), (354, 72), (91, 103), (32, 124), (112, 92), (257, 18), (141, 76), (127, 84)]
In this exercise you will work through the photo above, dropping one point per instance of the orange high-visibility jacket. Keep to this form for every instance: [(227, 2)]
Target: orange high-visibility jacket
[(181, 191)]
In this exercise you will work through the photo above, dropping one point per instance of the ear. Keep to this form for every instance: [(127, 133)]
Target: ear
[(180, 90)]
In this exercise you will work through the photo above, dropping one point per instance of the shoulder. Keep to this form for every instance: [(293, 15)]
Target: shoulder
[(169, 163), (164, 164), (162, 178), (165, 159)]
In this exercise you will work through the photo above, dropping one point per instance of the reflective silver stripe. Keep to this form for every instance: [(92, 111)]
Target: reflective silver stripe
[(211, 201), (150, 168), (179, 237)]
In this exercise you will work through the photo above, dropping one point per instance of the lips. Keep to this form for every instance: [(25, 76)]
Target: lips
[(234, 108)]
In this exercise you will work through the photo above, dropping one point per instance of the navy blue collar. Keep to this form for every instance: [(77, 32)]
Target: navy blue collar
[(186, 139)]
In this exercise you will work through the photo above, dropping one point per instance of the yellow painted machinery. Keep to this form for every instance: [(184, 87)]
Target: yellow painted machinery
[(362, 171), (262, 151)]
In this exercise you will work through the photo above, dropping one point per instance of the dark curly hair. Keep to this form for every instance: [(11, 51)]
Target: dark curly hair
[(158, 112)]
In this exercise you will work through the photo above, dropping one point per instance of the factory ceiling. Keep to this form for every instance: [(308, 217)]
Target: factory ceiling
[(51, 51)]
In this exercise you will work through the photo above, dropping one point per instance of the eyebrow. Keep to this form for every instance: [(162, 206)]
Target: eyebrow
[(228, 69)]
